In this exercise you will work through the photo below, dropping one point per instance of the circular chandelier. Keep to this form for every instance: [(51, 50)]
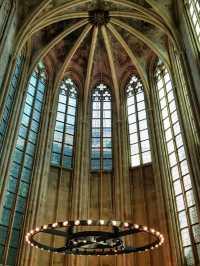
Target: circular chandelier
[(96, 241)]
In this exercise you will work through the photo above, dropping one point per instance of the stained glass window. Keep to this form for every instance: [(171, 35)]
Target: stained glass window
[(101, 123), (137, 123), (15, 199), (180, 174), (64, 133), (12, 88)]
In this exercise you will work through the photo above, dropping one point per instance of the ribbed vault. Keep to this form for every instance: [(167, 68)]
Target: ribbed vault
[(67, 37)]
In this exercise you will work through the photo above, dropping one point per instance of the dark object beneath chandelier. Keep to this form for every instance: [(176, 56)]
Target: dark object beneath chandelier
[(103, 238)]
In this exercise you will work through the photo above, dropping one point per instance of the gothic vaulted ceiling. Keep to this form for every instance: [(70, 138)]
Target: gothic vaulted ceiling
[(97, 40)]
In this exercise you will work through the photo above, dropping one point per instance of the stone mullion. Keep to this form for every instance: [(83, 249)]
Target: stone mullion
[(64, 130), (101, 99), (137, 125)]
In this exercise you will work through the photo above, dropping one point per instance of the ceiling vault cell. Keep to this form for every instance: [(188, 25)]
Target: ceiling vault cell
[(43, 52), (134, 60), (21, 36), (159, 10), (137, 26), (167, 21), (35, 18), (137, 7), (58, 18), (138, 16), (73, 50), (37, 22), (142, 38)]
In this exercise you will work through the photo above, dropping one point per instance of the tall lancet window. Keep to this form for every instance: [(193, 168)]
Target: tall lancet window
[(19, 179), (64, 133), (101, 135), (137, 123), (10, 97), (194, 12), (182, 189)]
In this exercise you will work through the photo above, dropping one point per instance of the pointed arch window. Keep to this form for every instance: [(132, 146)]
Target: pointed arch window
[(64, 133), (101, 123), (19, 179), (182, 189), (139, 143), (194, 13)]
